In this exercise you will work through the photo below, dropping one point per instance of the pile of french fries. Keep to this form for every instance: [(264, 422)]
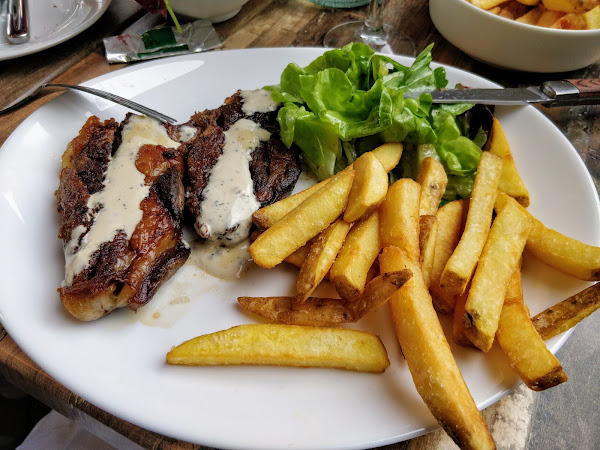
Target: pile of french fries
[(561, 14), (379, 244)]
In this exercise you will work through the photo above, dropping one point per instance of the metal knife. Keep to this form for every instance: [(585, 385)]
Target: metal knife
[(17, 27), (549, 93)]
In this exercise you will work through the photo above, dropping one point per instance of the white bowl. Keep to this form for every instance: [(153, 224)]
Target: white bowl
[(513, 45), (213, 10)]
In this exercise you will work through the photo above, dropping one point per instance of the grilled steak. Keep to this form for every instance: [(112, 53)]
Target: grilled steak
[(236, 164), (121, 202)]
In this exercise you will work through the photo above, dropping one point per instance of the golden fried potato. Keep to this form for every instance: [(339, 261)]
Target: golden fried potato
[(568, 313), (285, 345), (531, 18), (460, 266), (510, 180), (570, 21), (563, 253), (433, 180), (451, 219), (570, 6), (435, 373), (267, 216), (459, 335), (320, 257), (549, 18), (315, 311), (368, 188), (486, 4), (427, 237), (319, 312), (400, 216), (592, 19), (499, 260), (299, 256), (348, 274), (513, 10), (526, 351), (304, 222)]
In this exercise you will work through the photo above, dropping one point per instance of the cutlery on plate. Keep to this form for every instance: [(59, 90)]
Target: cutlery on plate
[(549, 93), (105, 95), (17, 28)]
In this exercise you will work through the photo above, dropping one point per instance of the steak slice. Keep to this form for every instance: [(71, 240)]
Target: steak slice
[(144, 246), (273, 168)]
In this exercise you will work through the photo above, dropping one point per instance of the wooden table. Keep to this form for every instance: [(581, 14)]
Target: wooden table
[(566, 416)]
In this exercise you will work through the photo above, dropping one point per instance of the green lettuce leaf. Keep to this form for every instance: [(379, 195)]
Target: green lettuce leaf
[(349, 100)]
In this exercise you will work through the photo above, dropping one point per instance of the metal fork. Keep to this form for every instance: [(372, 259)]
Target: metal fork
[(106, 95)]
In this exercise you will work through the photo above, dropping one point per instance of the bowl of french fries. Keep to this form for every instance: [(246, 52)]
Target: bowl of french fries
[(542, 36)]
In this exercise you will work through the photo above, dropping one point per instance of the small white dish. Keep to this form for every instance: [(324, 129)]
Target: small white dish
[(513, 45), (215, 11), (51, 23)]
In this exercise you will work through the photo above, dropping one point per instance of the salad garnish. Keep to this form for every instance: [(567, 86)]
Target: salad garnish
[(350, 100)]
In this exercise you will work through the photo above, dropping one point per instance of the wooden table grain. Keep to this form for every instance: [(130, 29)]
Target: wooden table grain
[(276, 23)]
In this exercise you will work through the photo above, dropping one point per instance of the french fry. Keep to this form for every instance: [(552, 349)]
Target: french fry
[(563, 253), (499, 260), (432, 366), (348, 274), (486, 4), (320, 257), (427, 237), (570, 6), (400, 216), (379, 289), (548, 18), (568, 313), (592, 18), (284, 345), (450, 219), (570, 21), (315, 311), (267, 216), (318, 312), (299, 256), (531, 17), (433, 180), (368, 188), (529, 2), (513, 10), (459, 335), (460, 266), (510, 180), (526, 351), (388, 154), (303, 223)]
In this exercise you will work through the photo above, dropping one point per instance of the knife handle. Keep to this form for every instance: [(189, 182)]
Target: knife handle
[(17, 28), (564, 89), (587, 86)]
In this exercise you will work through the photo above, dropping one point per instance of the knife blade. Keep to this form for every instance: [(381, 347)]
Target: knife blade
[(17, 27), (549, 94)]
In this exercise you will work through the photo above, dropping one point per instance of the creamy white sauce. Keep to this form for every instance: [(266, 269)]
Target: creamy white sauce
[(116, 207), (229, 200), (186, 133), (258, 100), (220, 261)]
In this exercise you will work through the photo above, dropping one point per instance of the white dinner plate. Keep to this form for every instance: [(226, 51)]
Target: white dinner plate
[(118, 362), (50, 23)]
